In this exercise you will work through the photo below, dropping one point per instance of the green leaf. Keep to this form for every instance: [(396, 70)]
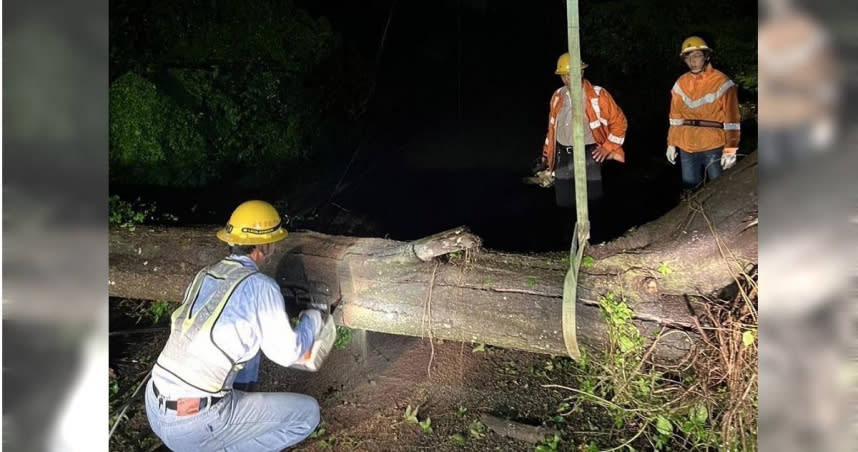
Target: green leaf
[(549, 444), (426, 425), (643, 386), (343, 338), (477, 430), (459, 439), (664, 269), (664, 427), (700, 414), (320, 431), (748, 337), (411, 415), (626, 344), (531, 282), (587, 261)]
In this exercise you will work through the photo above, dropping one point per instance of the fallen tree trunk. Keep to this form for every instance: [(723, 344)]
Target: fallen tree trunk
[(446, 286)]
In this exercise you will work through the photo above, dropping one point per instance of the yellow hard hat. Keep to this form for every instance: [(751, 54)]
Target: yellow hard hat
[(693, 43), (253, 223), (563, 64)]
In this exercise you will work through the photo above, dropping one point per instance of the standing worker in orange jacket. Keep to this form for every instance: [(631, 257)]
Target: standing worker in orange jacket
[(704, 117), (604, 134)]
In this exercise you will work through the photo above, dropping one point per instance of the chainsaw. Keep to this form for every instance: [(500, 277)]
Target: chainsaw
[(298, 297), (544, 179)]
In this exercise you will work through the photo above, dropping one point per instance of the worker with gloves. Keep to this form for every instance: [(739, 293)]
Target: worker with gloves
[(704, 117), (604, 133), (230, 312)]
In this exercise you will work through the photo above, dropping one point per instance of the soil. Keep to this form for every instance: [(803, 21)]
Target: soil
[(364, 398)]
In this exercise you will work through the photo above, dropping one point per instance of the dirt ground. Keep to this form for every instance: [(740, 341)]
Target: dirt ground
[(363, 401)]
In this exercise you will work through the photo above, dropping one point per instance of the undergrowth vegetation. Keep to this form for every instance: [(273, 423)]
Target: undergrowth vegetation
[(706, 402)]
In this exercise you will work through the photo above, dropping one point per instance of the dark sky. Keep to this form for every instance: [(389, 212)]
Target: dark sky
[(461, 109), (492, 63)]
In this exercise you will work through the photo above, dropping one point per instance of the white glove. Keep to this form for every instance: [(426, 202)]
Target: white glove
[(671, 154), (315, 316), (728, 160)]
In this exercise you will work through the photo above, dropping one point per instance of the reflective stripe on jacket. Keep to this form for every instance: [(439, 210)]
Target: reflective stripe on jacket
[(708, 96), (607, 121), (191, 353)]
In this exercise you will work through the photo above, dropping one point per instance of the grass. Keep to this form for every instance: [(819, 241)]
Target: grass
[(708, 403)]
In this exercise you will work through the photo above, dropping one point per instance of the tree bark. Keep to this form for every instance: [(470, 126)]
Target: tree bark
[(663, 270)]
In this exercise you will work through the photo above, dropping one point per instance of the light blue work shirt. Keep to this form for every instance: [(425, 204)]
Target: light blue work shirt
[(254, 318)]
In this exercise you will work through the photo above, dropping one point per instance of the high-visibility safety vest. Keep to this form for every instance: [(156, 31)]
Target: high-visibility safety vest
[(708, 96), (607, 121), (191, 353)]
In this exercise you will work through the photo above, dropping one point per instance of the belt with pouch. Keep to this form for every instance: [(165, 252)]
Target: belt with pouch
[(186, 406)]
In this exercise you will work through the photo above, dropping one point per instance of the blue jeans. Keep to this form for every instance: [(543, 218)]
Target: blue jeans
[(695, 164), (241, 421)]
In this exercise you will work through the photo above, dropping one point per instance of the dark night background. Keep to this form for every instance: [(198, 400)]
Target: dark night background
[(433, 130)]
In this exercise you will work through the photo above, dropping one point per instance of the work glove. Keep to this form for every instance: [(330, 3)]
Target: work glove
[(315, 317), (728, 160), (540, 164), (671, 154), (545, 178)]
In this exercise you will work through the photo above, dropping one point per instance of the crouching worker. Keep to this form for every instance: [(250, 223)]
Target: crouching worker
[(229, 313)]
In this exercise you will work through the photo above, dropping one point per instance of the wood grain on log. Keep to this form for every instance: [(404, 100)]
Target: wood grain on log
[(502, 299)]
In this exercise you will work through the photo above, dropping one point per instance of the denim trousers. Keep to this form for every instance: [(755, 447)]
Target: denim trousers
[(241, 421), (696, 164)]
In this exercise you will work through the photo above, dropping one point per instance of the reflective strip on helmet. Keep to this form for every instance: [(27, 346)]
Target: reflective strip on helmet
[(732, 126), (615, 139), (675, 122), (707, 99), (693, 48)]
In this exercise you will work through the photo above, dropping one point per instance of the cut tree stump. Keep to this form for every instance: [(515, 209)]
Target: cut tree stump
[(663, 270)]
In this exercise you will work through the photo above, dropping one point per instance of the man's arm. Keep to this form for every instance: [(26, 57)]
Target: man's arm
[(732, 120), (617, 123), (674, 118), (278, 340), (548, 145)]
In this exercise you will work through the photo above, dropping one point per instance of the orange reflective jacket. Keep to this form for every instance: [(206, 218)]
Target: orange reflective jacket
[(708, 96), (607, 121)]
